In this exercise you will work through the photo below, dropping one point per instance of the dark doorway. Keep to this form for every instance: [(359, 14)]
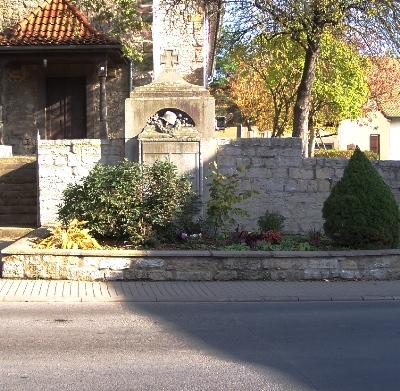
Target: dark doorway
[(66, 108)]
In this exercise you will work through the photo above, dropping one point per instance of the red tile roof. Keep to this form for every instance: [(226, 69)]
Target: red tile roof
[(391, 108), (56, 22)]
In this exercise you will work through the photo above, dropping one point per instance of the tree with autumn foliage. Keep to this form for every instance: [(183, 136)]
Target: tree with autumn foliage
[(383, 82), (306, 22), (264, 85)]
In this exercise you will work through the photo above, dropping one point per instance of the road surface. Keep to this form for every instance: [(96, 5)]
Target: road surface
[(200, 346)]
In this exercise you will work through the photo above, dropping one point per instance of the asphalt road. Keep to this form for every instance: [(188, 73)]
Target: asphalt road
[(166, 346)]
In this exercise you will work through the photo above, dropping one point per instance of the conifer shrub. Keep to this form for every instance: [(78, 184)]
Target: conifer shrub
[(361, 211), (128, 201)]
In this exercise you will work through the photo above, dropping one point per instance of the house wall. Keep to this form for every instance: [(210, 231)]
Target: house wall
[(358, 132), (23, 98), (395, 139)]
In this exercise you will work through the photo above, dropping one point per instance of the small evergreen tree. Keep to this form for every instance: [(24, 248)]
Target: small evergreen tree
[(361, 211)]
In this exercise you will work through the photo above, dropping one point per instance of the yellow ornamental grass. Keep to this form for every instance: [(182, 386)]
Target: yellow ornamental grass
[(71, 237)]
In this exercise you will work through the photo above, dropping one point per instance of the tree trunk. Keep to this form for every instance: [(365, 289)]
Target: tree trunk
[(311, 142), (304, 98)]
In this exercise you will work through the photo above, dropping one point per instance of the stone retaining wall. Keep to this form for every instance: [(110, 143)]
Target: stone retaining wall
[(286, 183), (62, 162), (21, 260)]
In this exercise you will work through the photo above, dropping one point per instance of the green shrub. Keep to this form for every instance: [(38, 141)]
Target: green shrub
[(337, 154), (127, 201), (224, 196), (271, 222), (361, 211)]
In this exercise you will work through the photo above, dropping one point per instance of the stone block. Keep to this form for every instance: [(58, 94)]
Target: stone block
[(274, 185), (45, 160), (90, 159), (257, 162), (226, 161), (250, 275), (149, 263), (312, 186), (295, 173), (160, 275), (229, 150), (60, 160), (113, 275), (324, 186), (13, 269), (74, 160), (85, 273), (324, 173), (295, 186), (112, 263), (193, 275), (226, 275), (242, 263), (91, 261), (265, 152)]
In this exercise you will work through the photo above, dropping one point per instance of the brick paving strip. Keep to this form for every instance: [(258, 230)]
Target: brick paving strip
[(186, 291)]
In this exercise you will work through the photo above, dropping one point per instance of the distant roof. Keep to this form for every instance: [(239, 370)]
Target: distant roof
[(391, 108), (54, 23)]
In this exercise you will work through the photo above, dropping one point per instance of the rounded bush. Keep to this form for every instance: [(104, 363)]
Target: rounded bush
[(128, 201), (361, 211)]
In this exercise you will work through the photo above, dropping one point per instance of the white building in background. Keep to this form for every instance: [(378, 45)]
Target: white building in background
[(378, 132)]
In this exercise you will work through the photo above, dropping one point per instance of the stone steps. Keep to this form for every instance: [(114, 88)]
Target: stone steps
[(21, 189), (13, 198), (18, 191), (17, 209), (18, 220), (13, 233)]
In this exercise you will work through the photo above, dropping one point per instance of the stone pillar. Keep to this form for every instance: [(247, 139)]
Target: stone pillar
[(183, 30), (102, 74)]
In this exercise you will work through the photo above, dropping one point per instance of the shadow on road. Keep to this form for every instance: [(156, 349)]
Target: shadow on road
[(335, 346)]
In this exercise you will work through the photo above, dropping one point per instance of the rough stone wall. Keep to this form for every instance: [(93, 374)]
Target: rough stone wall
[(117, 91), (23, 97), (286, 183), (200, 265), (23, 101), (62, 162)]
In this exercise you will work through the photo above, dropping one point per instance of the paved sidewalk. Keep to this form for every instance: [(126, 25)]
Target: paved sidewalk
[(235, 291)]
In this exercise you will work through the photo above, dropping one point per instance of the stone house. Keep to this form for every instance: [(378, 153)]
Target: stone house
[(61, 78)]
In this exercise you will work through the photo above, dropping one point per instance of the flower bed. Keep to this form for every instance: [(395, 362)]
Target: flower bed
[(23, 260)]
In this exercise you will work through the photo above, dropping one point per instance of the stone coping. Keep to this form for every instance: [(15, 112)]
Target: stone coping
[(24, 246)]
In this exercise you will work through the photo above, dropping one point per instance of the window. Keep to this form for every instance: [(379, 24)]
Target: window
[(375, 143)]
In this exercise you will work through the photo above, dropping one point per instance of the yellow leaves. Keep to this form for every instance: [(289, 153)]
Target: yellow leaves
[(251, 95), (71, 237)]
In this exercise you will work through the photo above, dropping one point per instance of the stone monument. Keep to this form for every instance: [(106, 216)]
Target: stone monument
[(171, 119)]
